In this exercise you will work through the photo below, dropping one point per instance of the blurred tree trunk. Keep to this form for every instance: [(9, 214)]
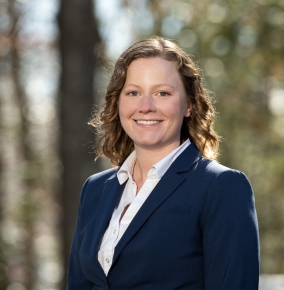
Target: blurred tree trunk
[(1, 161), (78, 38), (3, 274), (1, 167), (27, 153)]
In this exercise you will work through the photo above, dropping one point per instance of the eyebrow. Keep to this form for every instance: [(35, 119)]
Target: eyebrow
[(155, 86)]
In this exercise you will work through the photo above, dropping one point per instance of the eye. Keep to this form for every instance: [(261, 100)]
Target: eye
[(133, 93), (163, 94)]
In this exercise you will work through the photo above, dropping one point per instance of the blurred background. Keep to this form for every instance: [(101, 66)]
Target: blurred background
[(55, 60)]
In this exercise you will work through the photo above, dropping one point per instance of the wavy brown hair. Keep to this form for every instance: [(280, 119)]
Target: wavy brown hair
[(115, 144)]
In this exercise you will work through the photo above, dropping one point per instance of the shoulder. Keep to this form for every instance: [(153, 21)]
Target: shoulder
[(217, 172), (227, 188), (192, 161), (192, 156), (94, 185), (228, 176), (221, 184), (204, 173), (212, 167), (101, 177)]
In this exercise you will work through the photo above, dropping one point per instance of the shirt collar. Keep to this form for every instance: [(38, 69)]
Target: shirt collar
[(163, 165), (126, 168), (158, 169)]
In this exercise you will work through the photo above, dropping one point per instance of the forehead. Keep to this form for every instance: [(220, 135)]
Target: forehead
[(155, 67), (153, 61)]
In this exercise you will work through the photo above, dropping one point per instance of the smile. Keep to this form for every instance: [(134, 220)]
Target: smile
[(147, 122)]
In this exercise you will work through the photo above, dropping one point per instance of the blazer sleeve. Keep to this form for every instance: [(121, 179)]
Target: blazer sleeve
[(76, 278), (230, 234)]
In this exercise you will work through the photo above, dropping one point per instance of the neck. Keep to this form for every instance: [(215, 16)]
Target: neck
[(146, 158)]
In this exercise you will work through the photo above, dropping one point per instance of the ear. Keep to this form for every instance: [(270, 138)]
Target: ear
[(189, 108)]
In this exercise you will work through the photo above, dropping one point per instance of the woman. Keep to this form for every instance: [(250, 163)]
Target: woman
[(168, 216)]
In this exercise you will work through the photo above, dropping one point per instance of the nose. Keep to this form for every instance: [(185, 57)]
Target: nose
[(146, 105)]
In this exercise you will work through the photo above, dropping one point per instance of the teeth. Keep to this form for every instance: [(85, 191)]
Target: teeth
[(144, 122)]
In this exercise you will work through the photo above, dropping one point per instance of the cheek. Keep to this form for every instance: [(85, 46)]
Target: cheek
[(177, 111), (122, 118), (125, 107), (124, 113), (121, 109)]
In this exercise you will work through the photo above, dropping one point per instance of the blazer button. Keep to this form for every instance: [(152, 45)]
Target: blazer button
[(106, 288)]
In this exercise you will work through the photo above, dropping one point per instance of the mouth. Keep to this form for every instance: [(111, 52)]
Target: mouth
[(147, 122)]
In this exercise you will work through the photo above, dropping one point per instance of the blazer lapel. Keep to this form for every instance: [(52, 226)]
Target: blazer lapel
[(168, 183), (110, 198), (109, 201)]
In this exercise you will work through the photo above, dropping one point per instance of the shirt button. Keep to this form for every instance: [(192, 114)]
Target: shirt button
[(114, 231), (107, 260)]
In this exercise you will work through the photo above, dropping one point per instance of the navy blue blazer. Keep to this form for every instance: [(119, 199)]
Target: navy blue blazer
[(197, 230)]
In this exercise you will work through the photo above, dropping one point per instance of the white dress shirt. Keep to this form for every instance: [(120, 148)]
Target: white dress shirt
[(117, 227)]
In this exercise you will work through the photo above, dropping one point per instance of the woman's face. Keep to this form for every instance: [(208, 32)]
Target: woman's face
[(153, 103)]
